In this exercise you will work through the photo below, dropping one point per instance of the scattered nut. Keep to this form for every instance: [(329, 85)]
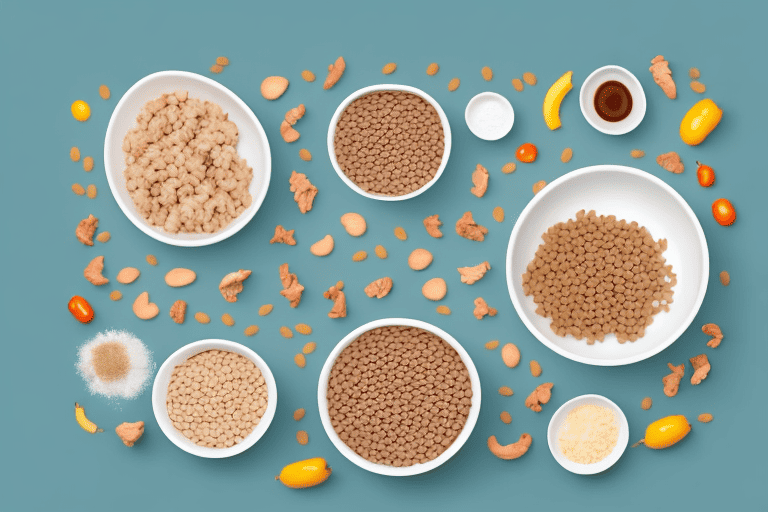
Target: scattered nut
[(301, 436), (232, 284), (93, 271), (308, 75), (529, 78), (354, 223), (309, 348), (487, 73), (104, 237), (227, 320), (566, 156), (251, 330), (339, 309), (540, 395), (286, 332), (509, 168), (443, 310), (694, 73), (287, 131), (388, 69), (115, 295), (339, 285), (298, 414), (273, 87), (637, 153), (74, 154), (305, 155), (144, 309), (292, 290), (91, 191), (335, 71), (78, 189), (492, 345), (698, 87), (454, 84), (152, 260), (505, 417), (725, 278), (663, 76), (646, 403), (538, 186), (85, 230), (104, 92), (498, 214), (714, 331), (535, 368), (300, 361), (506, 391), (129, 433), (265, 309), (379, 288), (432, 225), (283, 236), (435, 289), (179, 277), (178, 311), (671, 162), (480, 181), (222, 61), (88, 164), (128, 275), (304, 191), (482, 309), (202, 317), (432, 69), (380, 251), (303, 329), (701, 368), (471, 275), (322, 247), (467, 228), (400, 233), (705, 417), (419, 259), (510, 354), (672, 381), (517, 84)]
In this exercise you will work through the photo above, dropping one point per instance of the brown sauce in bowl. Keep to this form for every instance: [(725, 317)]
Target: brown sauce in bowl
[(613, 101)]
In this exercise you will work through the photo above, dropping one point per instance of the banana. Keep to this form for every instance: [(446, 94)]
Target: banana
[(84, 422), (554, 97)]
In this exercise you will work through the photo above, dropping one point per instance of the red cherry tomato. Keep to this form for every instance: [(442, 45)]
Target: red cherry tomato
[(705, 175), (80, 309), (527, 153), (723, 211)]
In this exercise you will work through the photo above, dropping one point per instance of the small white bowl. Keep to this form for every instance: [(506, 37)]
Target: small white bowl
[(389, 87), (383, 469), (160, 393), (587, 100), (252, 145), (629, 194), (559, 417), (481, 111)]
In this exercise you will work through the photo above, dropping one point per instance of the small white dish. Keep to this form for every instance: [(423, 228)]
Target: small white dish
[(559, 417), (474, 409), (489, 116), (587, 100), (252, 145), (629, 194), (160, 393), (389, 87)]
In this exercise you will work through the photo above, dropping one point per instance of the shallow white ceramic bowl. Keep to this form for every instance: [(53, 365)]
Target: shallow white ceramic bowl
[(388, 87), (587, 100), (252, 145), (500, 104), (382, 469), (629, 194), (559, 417), (160, 393)]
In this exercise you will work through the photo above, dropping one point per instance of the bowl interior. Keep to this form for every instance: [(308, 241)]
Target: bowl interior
[(389, 87), (559, 417), (160, 392), (382, 469), (482, 107), (252, 145), (587, 100), (629, 194)]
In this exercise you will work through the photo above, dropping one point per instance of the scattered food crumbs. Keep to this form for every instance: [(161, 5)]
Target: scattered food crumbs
[(637, 153), (103, 237), (509, 168), (671, 162), (400, 233), (467, 227), (706, 417), (298, 414), (151, 259), (227, 320), (292, 289), (506, 391), (202, 317), (498, 214), (432, 69), (471, 275), (492, 345), (335, 71), (714, 331), (359, 256), (540, 395), (529, 78), (339, 285), (694, 73), (128, 275), (74, 154), (144, 309), (538, 186), (305, 155), (265, 309), (432, 225), (216, 68), (115, 295), (505, 417), (379, 288), (286, 332), (88, 164), (304, 191), (104, 92), (443, 310), (300, 360), (302, 437), (480, 181), (304, 329), (308, 75), (380, 251), (91, 191), (85, 230), (309, 348), (93, 271), (222, 61), (535, 368), (283, 236), (725, 278), (487, 73), (646, 403), (698, 87), (454, 84), (389, 68), (672, 381), (517, 84), (663, 76), (78, 189), (251, 330), (178, 311), (482, 309), (566, 156), (288, 132)]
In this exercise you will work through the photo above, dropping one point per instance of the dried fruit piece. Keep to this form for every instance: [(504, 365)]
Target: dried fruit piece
[(292, 290), (251, 330), (723, 212), (435, 289), (227, 320), (454, 84), (505, 417), (335, 71), (178, 311), (104, 237), (88, 164), (443, 310), (705, 417), (309, 348), (510, 354), (91, 191), (694, 73), (232, 284), (322, 247), (300, 360), (379, 288), (725, 278), (492, 345), (128, 275), (646, 403), (305, 155), (506, 391), (339, 309), (498, 214), (354, 224), (286, 332), (104, 92), (304, 191), (487, 73), (74, 154), (85, 230), (419, 259), (540, 395), (178, 277), (298, 414), (432, 225), (273, 87), (510, 451), (303, 329), (517, 84), (526, 153), (672, 381), (129, 433), (698, 87), (78, 189), (287, 131), (144, 309), (482, 309), (538, 186), (637, 153), (529, 78), (389, 68), (152, 260), (432, 69), (480, 181), (671, 162), (283, 236), (467, 228), (380, 251), (663, 76), (265, 309), (701, 368), (471, 275), (202, 317), (115, 295), (509, 168), (93, 271), (714, 331), (535, 368), (566, 156)]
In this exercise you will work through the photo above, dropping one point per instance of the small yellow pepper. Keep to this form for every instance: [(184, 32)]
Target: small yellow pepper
[(665, 432), (305, 473)]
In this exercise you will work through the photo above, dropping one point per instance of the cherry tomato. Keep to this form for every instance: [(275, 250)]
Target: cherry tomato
[(705, 175), (723, 211), (80, 309), (527, 153)]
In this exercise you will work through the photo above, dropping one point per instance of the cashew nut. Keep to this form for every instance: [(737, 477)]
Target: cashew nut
[(510, 451)]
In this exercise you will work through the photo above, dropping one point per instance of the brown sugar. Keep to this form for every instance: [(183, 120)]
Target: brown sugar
[(110, 361)]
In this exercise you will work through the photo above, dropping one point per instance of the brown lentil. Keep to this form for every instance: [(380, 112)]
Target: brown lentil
[(694, 73), (286, 332), (151, 259), (78, 189), (538, 186), (308, 75), (359, 256), (566, 156), (454, 84), (104, 237), (506, 391), (298, 414), (251, 330), (535, 368), (302, 437), (303, 329), (646, 403), (509, 168), (389, 68), (104, 92), (91, 191), (706, 417), (309, 348), (517, 84), (380, 251), (305, 155), (443, 310), (505, 417), (432, 69), (115, 295), (265, 309), (637, 153), (202, 317), (492, 345), (74, 154), (487, 73), (227, 320), (88, 164), (300, 360), (698, 87), (498, 214), (529, 78), (725, 278)]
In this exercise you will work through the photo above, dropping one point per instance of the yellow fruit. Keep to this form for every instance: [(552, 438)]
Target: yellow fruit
[(81, 111), (305, 473), (700, 121), (665, 432), (84, 422), (554, 97)]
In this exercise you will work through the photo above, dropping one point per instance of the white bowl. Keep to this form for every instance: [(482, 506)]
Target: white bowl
[(160, 393), (587, 100), (559, 417), (252, 145), (383, 469), (389, 87), (484, 106), (629, 194)]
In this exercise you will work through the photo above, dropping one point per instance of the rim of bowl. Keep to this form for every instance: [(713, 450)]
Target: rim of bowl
[(418, 468), (597, 467), (195, 348), (574, 175), (222, 234), (584, 103), (477, 98), (389, 87)]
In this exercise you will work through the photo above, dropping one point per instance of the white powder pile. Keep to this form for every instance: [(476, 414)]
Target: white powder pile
[(490, 117), (136, 379), (588, 434)]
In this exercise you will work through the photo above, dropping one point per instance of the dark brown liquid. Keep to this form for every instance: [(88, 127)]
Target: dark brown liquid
[(613, 102)]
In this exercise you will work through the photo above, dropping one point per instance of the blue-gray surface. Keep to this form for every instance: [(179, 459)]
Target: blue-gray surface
[(54, 54)]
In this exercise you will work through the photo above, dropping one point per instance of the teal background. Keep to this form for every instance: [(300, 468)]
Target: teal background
[(55, 53)]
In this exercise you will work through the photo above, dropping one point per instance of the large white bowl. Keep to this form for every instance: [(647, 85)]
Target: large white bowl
[(383, 469), (160, 394), (559, 417), (629, 194), (252, 145), (389, 87)]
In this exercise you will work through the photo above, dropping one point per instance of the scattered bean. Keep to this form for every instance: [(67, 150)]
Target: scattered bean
[(637, 153), (498, 214), (116, 295), (88, 164), (506, 391), (74, 154), (305, 155), (510, 354), (216, 68), (698, 87), (538, 186), (103, 237), (505, 417), (454, 84), (227, 319), (104, 92), (646, 403), (380, 251), (725, 278), (91, 191), (389, 68), (78, 189), (300, 360), (432, 69), (298, 414), (302, 437), (308, 75), (535, 368), (706, 417), (222, 61), (492, 345), (529, 78), (286, 332), (265, 309), (303, 329), (509, 168), (151, 259), (202, 317), (251, 330), (443, 310), (309, 348), (566, 156), (517, 84), (400, 233), (359, 256), (487, 73), (694, 73)]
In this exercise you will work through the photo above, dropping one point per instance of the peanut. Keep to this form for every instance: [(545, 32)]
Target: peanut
[(302, 437), (535, 368), (505, 417), (251, 330), (538, 186), (389, 68), (104, 92), (359, 256), (646, 403), (510, 354), (380, 251), (487, 73), (216, 68), (309, 348), (74, 154), (510, 451), (300, 360), (509, 168), (725, 278), (202, 317), (694, 73), (222, 61), (454, 84), (151, 259), (432, 69), (705, 417), (400, 233), (104, 237), (443, 310), (492, 345), (298, 414), (88, 164), (498, 214), (637, 153), (227, 319), (566, 156), (517, 84), (308, 75), (506, 391), (698, 87), (286, 332), (78, 189), (91, 191), (265, 309), (529, 78), (305, 155), (303, 329)]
